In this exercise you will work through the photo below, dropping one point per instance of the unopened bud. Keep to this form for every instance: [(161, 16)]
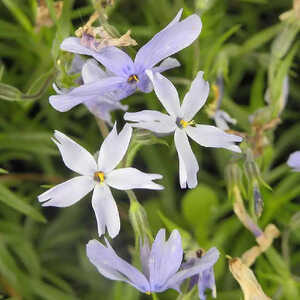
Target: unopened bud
[(258, 201), (139, 221), (233, 176), (250, 166)]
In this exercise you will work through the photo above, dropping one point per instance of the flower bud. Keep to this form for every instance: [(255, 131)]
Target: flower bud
[(258, 201), (233, 176), (139, 221)]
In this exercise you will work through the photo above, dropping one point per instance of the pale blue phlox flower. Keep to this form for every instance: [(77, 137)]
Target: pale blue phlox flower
[(102, 105), (98, 176), (179, 121), (161, 264), (126, 75)]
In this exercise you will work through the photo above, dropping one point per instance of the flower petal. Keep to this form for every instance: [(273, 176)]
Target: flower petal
[(145, 255), (294, 161), (144, 84), (84, 93), (103, 106), (165, 92), (206, 281), (188, 165), (131, 178), (114, 148), (68, 193), (204, 263), (77, 64), (165, 259), (72, 44), (211, 136), (175, 20), (75, 156), (167, 64), (114, 59), (195, 98), (110, 265), (177, 36), (152, 120), (91, 72), (106, 210), (221, 118)]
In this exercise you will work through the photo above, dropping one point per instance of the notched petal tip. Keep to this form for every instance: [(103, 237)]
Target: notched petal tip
[(155, 176), (156, 186), (42, 198), (46, 204), (161, 235)]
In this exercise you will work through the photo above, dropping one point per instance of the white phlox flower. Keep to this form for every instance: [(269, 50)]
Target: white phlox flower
[(98, 176), (180, 122)]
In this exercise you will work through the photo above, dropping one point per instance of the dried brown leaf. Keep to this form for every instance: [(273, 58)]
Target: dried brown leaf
[(264, 241), (97, 38), (43, 17), (247, 280)]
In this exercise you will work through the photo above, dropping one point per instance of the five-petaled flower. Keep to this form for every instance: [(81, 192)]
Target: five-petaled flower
[(180, 122), (98, 176), (100, 106), (127, 75), (162, 264)]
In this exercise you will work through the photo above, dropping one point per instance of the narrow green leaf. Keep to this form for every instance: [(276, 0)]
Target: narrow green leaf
[(217, 45), (9, 198), (63, 27), (3, 171), (259, 39), (18, 14)]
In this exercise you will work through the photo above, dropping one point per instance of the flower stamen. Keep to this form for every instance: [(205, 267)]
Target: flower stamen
[(133, 78), (184, 123), (148, 293), (99, 176)]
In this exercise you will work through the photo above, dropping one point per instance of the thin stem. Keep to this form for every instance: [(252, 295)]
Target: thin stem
[(31, 177), (103, 127), (154, 296), (131, 195)]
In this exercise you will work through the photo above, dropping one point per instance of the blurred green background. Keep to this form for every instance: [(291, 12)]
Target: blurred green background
[(42, 250)]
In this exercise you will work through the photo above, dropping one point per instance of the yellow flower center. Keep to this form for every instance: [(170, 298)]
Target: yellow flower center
[(148, 293), (99, 176), (184, 123), (133, 78)]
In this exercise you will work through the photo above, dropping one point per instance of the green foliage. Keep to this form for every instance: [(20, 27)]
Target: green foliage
[(198, 209), (42, 250)]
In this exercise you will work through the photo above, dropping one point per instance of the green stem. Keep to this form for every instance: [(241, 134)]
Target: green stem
[(102, 127), (154, 296), (131, 195)]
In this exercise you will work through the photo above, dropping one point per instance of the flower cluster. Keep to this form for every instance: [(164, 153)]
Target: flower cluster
[(101, 91)]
